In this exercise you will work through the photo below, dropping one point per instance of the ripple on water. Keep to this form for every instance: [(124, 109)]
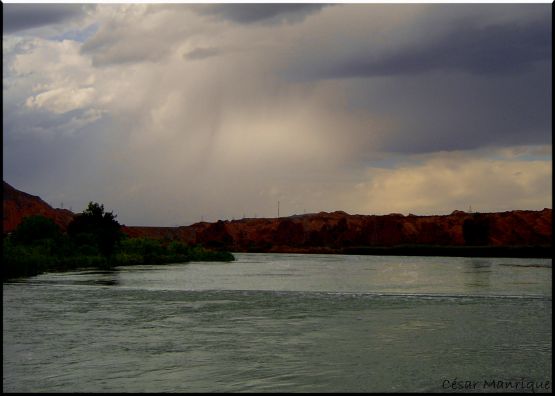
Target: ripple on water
[(64, 332)]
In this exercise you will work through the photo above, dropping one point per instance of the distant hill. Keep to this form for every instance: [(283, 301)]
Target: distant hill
[(18, 204), (339, 232), (323, 232)]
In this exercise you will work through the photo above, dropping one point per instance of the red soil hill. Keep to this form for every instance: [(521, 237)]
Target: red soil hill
[(324, 232), (18, 205)]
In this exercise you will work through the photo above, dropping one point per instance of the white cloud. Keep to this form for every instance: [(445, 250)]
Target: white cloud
[(62, 100), (61, 80)]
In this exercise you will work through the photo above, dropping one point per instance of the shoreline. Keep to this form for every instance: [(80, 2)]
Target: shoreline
[(418, 250)]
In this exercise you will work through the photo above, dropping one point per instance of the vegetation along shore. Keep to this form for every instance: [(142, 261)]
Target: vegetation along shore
[(93, 239), (60, 239)]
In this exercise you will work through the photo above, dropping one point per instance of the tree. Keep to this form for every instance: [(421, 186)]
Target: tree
[(96, 227), (476, 230), (35, 228)]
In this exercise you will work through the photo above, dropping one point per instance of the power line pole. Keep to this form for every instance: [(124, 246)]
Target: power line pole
[(278, 209)]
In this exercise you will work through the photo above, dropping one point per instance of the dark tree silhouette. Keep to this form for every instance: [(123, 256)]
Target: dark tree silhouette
[(94, 226), (34, 228), (476, 230)]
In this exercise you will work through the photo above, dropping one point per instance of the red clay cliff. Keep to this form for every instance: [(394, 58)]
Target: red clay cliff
[(18, 204), (324, 232)]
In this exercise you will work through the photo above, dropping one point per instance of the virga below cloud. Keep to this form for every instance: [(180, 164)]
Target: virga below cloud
[(166, 113)]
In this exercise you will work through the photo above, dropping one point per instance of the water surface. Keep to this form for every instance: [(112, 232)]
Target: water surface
[(280, 322)]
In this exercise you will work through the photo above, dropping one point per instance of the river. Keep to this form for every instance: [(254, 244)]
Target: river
[(283, 323)]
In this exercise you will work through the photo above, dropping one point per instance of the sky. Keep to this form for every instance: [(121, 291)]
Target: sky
[(169, 114)]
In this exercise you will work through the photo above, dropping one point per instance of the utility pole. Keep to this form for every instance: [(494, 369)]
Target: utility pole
[(278, 209)]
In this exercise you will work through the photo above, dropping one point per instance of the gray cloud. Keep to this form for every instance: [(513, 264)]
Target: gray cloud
[(165, 141), (495, 49), (148, 33), (457, 78), (260, 13), (19, 17), (202, 53), (116, 54), (41, 157), (111, 45), (460, 112)]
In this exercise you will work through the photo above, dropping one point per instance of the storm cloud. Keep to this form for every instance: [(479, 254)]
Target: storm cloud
[(260, 13), (170, 113), (19, 17), (495, 49), (450, 38)]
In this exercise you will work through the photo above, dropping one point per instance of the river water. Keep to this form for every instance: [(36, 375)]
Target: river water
[(282, 322)]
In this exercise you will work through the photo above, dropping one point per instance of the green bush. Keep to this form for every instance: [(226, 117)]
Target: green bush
[(38, 245), (25, 260), (96, 227), (34, 228)]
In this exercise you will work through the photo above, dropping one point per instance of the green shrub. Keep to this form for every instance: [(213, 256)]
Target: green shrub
[(93, 240), (33, 228), (101, 228)]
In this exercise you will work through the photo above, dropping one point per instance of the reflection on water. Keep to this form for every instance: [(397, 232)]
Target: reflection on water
[(108, 277), (105, 282), (104, 277), (479, 272), (267, 322), (394, 275), (527, 265)]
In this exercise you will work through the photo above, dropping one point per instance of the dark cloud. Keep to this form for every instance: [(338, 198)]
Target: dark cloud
[(19, 17), (260, 13), (39, 155), (201, 53), (494, 49), (437, 112), (445, 82)]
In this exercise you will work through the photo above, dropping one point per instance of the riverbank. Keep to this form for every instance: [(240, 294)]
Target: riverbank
[(61, 254), (544, 251), (455, 251)]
